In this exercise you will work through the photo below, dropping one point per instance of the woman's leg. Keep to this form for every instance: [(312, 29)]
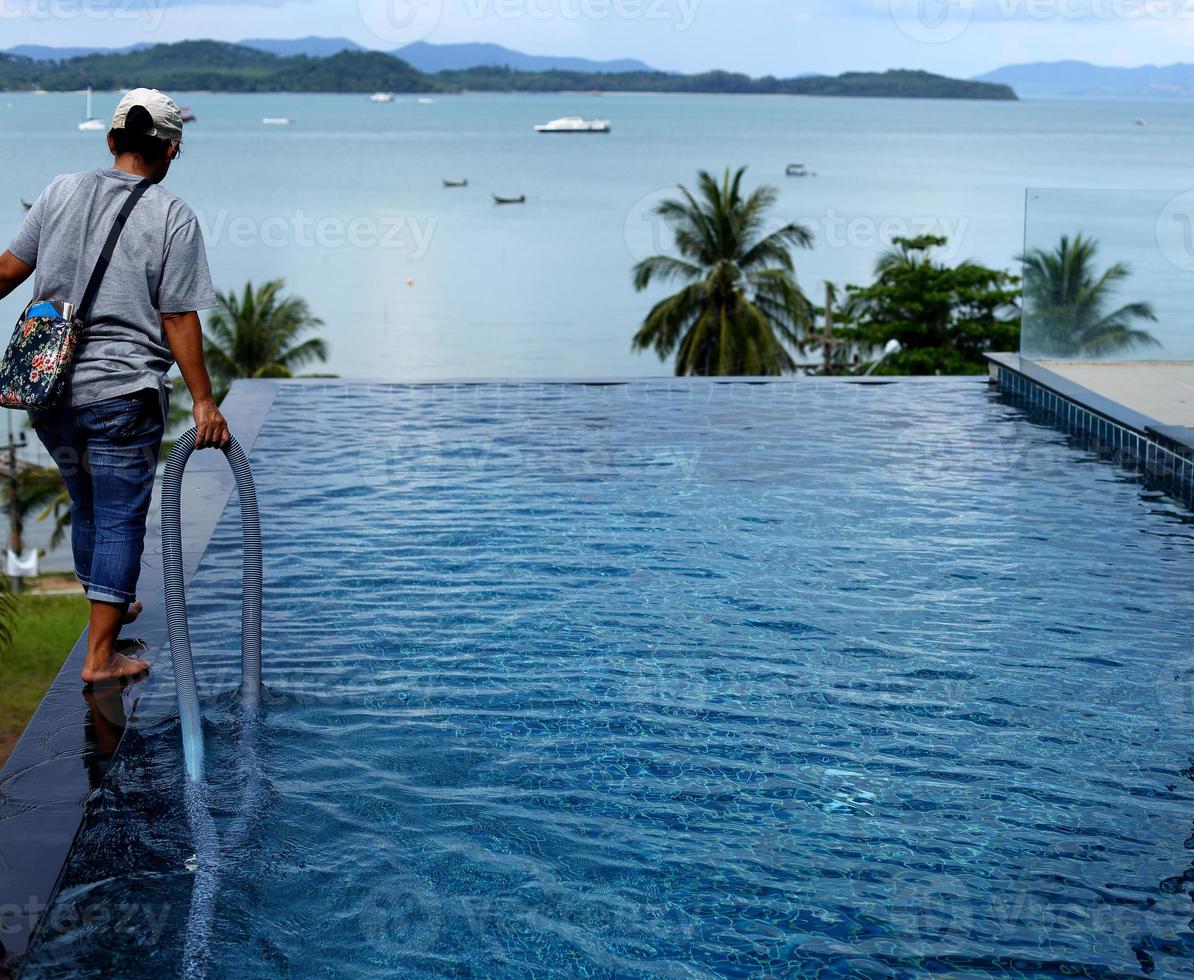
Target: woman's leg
[(124, 436), (67, 445)]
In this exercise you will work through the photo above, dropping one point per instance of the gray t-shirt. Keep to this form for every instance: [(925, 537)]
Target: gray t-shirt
[(160, 266)]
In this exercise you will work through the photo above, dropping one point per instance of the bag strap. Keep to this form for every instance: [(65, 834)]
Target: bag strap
[(109, 249)]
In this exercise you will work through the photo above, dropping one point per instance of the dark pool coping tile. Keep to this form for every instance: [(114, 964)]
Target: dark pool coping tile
[(63, 754), (1163, 453)]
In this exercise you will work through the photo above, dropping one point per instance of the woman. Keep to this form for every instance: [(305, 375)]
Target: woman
[(105, 433)]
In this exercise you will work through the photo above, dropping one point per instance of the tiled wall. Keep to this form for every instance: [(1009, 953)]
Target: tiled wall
[(1166, 465)]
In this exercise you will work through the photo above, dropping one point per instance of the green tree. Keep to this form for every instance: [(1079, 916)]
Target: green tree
[(944, 316), (1066, 300), (36, 491), (260, 334), (740, 309)]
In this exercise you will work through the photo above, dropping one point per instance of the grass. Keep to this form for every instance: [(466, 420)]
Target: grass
[(45, 629)]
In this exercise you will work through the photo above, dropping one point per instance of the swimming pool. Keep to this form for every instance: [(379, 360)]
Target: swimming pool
[(674, 679)]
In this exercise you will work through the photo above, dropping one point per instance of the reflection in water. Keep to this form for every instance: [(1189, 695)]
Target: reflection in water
[(109, 706), (1182, 884), (1067, 300)]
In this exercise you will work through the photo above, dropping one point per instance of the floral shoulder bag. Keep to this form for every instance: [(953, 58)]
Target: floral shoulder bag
[(34, 371)]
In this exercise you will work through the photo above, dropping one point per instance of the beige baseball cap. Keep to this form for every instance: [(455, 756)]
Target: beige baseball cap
[(167, 117)]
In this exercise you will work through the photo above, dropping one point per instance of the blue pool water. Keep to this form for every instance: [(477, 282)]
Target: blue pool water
[(676, 680)]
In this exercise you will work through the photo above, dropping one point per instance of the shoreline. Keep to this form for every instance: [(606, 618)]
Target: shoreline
[(579, 93)]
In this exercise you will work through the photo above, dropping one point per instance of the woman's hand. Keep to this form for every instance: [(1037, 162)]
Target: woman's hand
[(185, 336), (211, 431)]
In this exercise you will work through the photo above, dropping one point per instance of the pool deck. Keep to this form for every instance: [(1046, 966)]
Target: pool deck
[(1162, 390), (1139, 412)]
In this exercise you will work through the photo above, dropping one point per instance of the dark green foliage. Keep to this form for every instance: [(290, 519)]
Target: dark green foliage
[(260, 334), (944, 316), (1066, 300), (740, 311)]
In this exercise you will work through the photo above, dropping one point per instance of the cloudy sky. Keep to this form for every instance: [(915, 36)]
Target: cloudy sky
[(781, 37)]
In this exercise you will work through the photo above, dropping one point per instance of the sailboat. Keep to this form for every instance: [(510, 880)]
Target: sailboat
[(90, 124)]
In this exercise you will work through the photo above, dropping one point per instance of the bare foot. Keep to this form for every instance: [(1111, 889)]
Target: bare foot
[(118, 667), (135, 610)]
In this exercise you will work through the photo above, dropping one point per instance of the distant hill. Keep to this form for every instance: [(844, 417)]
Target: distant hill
[(1080, 79), (423, 56), (889, 84), (40, 52), (316, 47), (220, 67), (458, 57), (448, 57)]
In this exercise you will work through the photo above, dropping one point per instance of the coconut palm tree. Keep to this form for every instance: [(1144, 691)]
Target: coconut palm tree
[(260, 334), (740, 311), (35, 490), (1066, 300)]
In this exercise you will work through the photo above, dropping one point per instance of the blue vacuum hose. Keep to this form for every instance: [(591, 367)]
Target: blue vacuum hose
[(176, 601), (200, 921)]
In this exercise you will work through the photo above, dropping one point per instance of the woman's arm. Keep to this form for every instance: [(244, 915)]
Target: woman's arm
[(184, 334), (13, 272)]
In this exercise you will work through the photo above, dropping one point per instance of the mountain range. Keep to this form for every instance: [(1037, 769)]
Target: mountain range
[(216, 66), (452, 57), (422, 55), (1056, 79), (1080, 79)]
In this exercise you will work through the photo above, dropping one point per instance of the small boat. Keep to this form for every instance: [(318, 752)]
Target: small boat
[(574, 124), (185, 114), (90, 124), (455, 183), (26, 205), (798, 170), (275, 121), (382, 97), (498, 199), (1141, 121)]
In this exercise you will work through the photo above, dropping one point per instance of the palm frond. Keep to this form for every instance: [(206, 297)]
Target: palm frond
[(740, 308)]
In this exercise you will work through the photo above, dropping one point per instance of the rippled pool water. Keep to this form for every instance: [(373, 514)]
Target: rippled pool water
[(675, 680)]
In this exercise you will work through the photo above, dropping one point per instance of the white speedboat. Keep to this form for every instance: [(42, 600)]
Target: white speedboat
[(382, 97), (574, 124), (275, 121), (90, 124)]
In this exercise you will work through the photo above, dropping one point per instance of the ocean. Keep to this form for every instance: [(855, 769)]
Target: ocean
[(416, 281)]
